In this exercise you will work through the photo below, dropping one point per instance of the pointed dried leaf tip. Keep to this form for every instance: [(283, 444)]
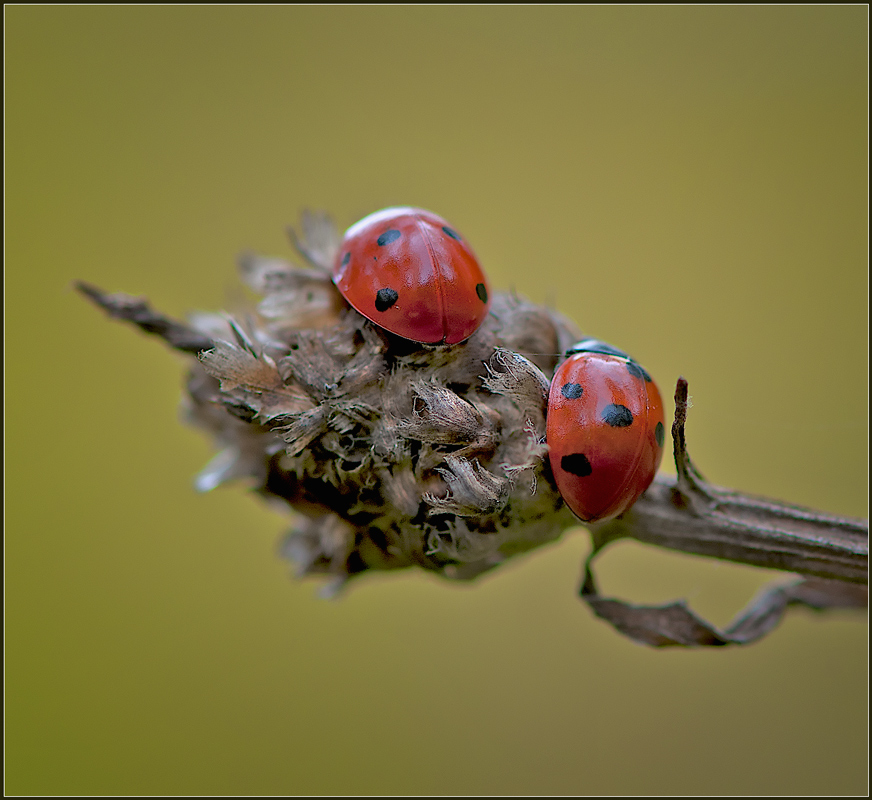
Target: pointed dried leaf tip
[(319, 242), (441, 416), (257, 379), (520, 380), (473, 490)]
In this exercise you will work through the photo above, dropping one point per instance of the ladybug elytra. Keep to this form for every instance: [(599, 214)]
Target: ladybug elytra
[(408, 271), (605, 430)]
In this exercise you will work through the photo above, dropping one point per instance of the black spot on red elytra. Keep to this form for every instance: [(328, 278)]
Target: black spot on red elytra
[(576, 464), (658, 434), (617, 416), (451, 232), (481, 291), (571, 391), (387, 237), (385, 298)]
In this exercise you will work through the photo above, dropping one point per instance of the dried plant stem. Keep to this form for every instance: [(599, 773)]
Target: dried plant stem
[(395, 455), (686, 513), (683, 513)]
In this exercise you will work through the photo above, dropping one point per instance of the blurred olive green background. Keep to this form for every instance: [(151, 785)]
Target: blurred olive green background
[(688, 183)]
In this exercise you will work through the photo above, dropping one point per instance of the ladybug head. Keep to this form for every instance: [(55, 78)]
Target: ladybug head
[(595, 346)]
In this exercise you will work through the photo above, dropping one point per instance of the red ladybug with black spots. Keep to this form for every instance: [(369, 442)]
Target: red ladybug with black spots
[(408, 271), (604, 429)]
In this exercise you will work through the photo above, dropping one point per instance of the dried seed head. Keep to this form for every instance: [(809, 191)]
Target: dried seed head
[(391, 454), (395, 455)]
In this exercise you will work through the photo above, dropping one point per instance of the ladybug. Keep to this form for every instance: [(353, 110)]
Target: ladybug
[(408, 271), (604, 430)]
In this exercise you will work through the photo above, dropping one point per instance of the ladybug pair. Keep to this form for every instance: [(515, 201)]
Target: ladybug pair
[(408, 271)]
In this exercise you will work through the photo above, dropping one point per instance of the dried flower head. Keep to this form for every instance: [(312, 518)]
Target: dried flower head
[(394, 454), (391, 454)]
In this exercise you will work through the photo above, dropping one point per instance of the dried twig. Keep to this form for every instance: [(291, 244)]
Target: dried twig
[(394, 455), (137, 310), (686, 513)]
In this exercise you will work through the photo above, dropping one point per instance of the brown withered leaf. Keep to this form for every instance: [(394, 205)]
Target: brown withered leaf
[(472, 489), (675, 625), (258, 379), (515, 377), (440, 416), (319, 241)]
